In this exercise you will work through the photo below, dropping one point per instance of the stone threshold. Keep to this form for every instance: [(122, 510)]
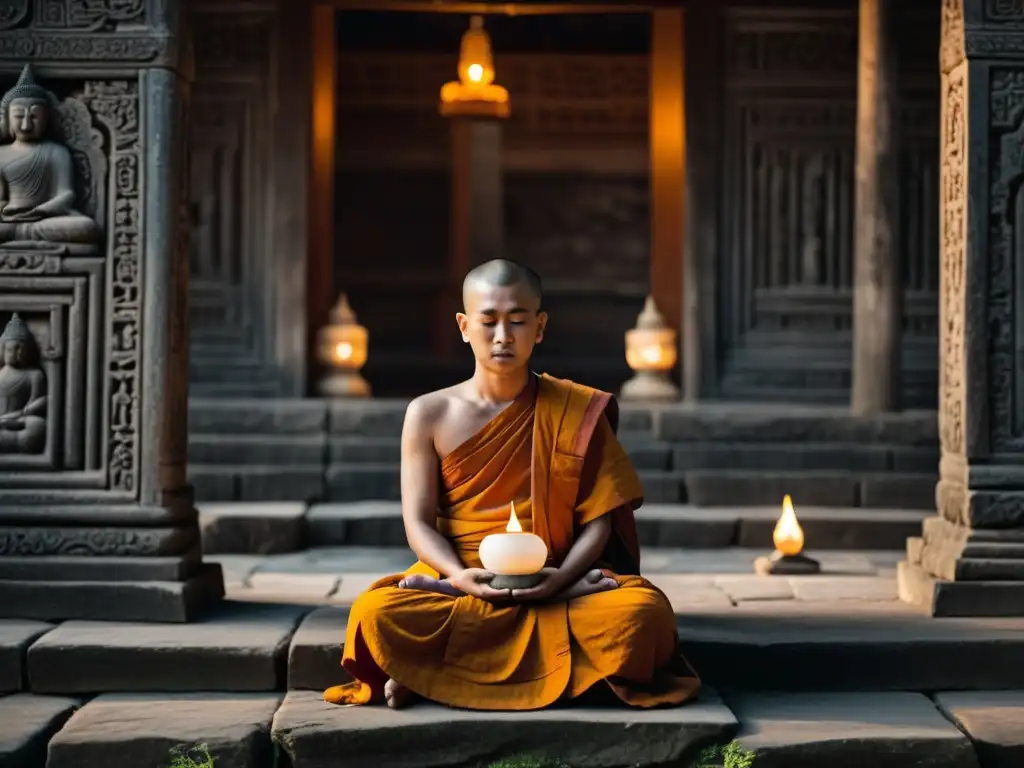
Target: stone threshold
[(298, 729)]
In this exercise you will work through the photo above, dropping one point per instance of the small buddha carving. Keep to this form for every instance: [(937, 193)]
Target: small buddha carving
[(22, 391), (37, 193)]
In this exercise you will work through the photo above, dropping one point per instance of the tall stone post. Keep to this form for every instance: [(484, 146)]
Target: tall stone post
[(878, 289), (96, 517), (968, 561)]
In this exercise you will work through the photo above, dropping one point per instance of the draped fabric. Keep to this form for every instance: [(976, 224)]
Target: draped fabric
[(553, 452)]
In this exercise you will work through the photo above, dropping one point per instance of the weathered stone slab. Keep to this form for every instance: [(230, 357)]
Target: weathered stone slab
[(362, 449), (740, 588), (959, 598), (359, 482), (213, 483), (359, 523), (257, 416), (141, 730), (899, 491), (314, 658), (781, 456), (770, 423), (757, 488), (873, 529), (288, 586), (314, 734), (635, 419), (648, 454), (27, 723), (281, 483), (272, 450), (16, 635), (252, 527), (240, 647), (370, 418), (236, 568), (78, 568), (678, 525), (831, 588), (662, 487), (166, 601), (994, 722), (850, 645), (849, 730), (355, 584)]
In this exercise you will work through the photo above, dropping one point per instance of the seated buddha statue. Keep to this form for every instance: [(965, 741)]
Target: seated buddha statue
[(22, 391), (37, 193)]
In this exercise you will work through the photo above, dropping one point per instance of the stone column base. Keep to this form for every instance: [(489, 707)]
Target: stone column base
[(956, 571), (109, 563)]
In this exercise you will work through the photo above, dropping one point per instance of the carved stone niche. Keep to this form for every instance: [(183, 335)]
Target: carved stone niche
[(53, 291)]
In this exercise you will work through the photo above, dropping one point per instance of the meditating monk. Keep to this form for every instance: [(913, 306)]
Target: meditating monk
[(440, 630)]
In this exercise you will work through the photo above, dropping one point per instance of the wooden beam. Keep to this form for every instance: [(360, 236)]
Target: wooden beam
[(877, 270), (667, 164), (320, 275), (502, 9)]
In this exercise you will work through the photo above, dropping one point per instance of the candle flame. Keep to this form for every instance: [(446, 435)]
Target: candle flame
[(788, 535), (513, 522)]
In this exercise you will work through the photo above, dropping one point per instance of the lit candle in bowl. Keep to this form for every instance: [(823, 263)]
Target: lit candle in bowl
[(514, 557)]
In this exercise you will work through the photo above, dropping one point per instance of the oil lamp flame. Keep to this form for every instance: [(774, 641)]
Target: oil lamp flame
[(513, 522), (788, 535)]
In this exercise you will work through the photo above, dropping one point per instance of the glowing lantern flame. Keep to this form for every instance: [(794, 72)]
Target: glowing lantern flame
[(788, 535), (513, 522), (343, 350), (476, 73)]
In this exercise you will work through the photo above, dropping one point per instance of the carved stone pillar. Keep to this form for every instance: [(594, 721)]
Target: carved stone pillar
[(878, 289), (96, 517), (969, 560)]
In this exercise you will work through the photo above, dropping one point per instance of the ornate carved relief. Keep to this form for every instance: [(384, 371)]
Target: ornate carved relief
[(951, 51), (37, 170), (22, 391), (1005, 255), (112, 30), (953, 240), (1003, 10), (84, 310), (116, 105)]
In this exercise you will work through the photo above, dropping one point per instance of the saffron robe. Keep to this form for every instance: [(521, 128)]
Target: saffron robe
[(553, 452)]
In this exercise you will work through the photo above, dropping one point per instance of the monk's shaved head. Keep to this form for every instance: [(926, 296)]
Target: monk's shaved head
[(501, 272)]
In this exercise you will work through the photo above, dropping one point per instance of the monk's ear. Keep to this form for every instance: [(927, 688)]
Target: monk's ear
[(542, 323), (463, 322)]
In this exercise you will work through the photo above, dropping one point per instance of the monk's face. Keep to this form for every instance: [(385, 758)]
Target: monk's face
[(28, 119), (502, 323)]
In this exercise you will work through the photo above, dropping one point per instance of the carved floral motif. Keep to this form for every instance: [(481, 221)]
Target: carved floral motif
[(953, 243), (951, 50)]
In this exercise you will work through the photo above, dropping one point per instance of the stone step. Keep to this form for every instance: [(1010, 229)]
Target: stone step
[(253, 482), (842, 645), (849, 730), (269, 450), (777, 730), (314, 734), (379, 523)]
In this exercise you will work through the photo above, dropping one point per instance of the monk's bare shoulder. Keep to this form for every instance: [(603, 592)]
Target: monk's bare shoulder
[(429, 415)]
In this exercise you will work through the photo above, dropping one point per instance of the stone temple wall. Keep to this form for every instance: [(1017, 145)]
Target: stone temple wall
[(96, 516)]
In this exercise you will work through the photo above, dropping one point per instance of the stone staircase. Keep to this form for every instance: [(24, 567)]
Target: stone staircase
[(276, 527), (847, 687), (711, 454)]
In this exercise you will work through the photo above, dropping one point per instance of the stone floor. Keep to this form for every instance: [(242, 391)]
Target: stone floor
[(828, 670)]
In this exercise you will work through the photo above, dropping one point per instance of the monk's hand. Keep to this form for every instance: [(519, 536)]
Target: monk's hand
[(476, 582), (550, 587)]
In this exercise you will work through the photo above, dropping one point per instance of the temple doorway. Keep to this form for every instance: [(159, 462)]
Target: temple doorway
[(575, 180)]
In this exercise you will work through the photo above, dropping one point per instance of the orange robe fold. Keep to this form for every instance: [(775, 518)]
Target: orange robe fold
[(553, 452)]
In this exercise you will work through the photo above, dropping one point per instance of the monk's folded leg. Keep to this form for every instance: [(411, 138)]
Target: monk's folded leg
[(628, 632), (390, 631)]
